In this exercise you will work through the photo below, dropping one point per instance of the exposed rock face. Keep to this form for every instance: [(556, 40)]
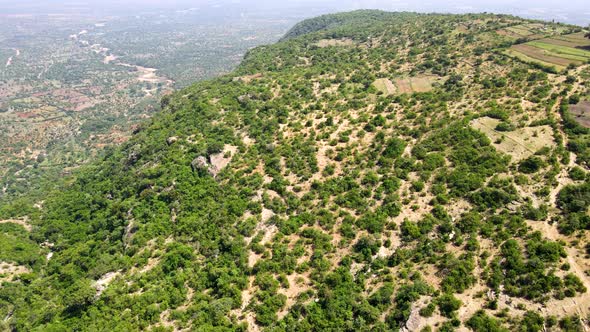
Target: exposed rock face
[(216, 162), (102, 283), (200, 164), (171, 140), (413, 321), (134, 154), (213, 170)]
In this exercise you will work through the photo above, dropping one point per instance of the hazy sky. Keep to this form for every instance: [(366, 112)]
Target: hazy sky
[(570, 11)]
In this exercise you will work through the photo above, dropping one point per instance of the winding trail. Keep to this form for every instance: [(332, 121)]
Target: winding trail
[(146, 74), (570, 306), (16, 54)]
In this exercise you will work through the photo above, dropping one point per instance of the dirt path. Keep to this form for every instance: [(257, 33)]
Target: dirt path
[(569, 306), (562, 179), (563, 176), (577, 305), (248, 316), (146, 74), (45, 68), (16, 54)]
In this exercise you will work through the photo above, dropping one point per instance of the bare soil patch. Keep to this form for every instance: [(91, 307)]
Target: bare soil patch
[(416, 84), (248, 78), (335, 42), (102, 283), (23, 222), (385, 85), (220, 160), (8, 271), (581, 113), (404, 85)]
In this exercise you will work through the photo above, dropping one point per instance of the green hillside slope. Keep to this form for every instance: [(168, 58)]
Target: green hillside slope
[(393, 173)]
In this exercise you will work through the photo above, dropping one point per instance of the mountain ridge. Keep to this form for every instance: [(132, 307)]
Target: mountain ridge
[(343, 179)]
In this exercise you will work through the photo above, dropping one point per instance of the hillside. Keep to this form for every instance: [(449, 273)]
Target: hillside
[(372, 171)]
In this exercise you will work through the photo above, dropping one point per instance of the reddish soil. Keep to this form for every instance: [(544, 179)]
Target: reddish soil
[(26, 115), (404, 86)]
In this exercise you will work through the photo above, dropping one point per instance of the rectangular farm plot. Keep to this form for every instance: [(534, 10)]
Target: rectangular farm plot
[(416, 84), (520, 143), (558, 51), (562, 51), (521, 31), (539, 55), (574, 40), (533, 30), (578, 38), (385, 86), (404, 85), (422, 83)]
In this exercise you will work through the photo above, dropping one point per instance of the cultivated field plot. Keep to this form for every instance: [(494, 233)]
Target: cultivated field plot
[(416, 84), (531, 31), (335, 42), (385, 86), (558, 51), (581, 113), (574, 40), (520, 143)]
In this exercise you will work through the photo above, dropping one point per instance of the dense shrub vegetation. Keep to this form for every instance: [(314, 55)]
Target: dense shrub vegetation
[(342, 208)]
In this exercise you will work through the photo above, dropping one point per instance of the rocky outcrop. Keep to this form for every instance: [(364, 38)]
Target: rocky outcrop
[(134, 154), (200, 164), (171, 140), (215, 163)]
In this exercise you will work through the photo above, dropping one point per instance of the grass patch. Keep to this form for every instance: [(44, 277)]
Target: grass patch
[(525, 58), (562, 51), (385, 85), (416, 84)]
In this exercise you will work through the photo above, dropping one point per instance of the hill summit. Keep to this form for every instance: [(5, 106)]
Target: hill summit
[(372, 171)]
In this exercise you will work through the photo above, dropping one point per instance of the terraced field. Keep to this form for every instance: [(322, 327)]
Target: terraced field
[(531, 31), (524, 31), (575, 40), (557, 51)]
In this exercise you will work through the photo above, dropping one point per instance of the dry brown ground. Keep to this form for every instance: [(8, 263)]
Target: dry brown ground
[(23, 222), (520, 143), (8, 271), (385, 85), (581, 113), (335, 42)]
